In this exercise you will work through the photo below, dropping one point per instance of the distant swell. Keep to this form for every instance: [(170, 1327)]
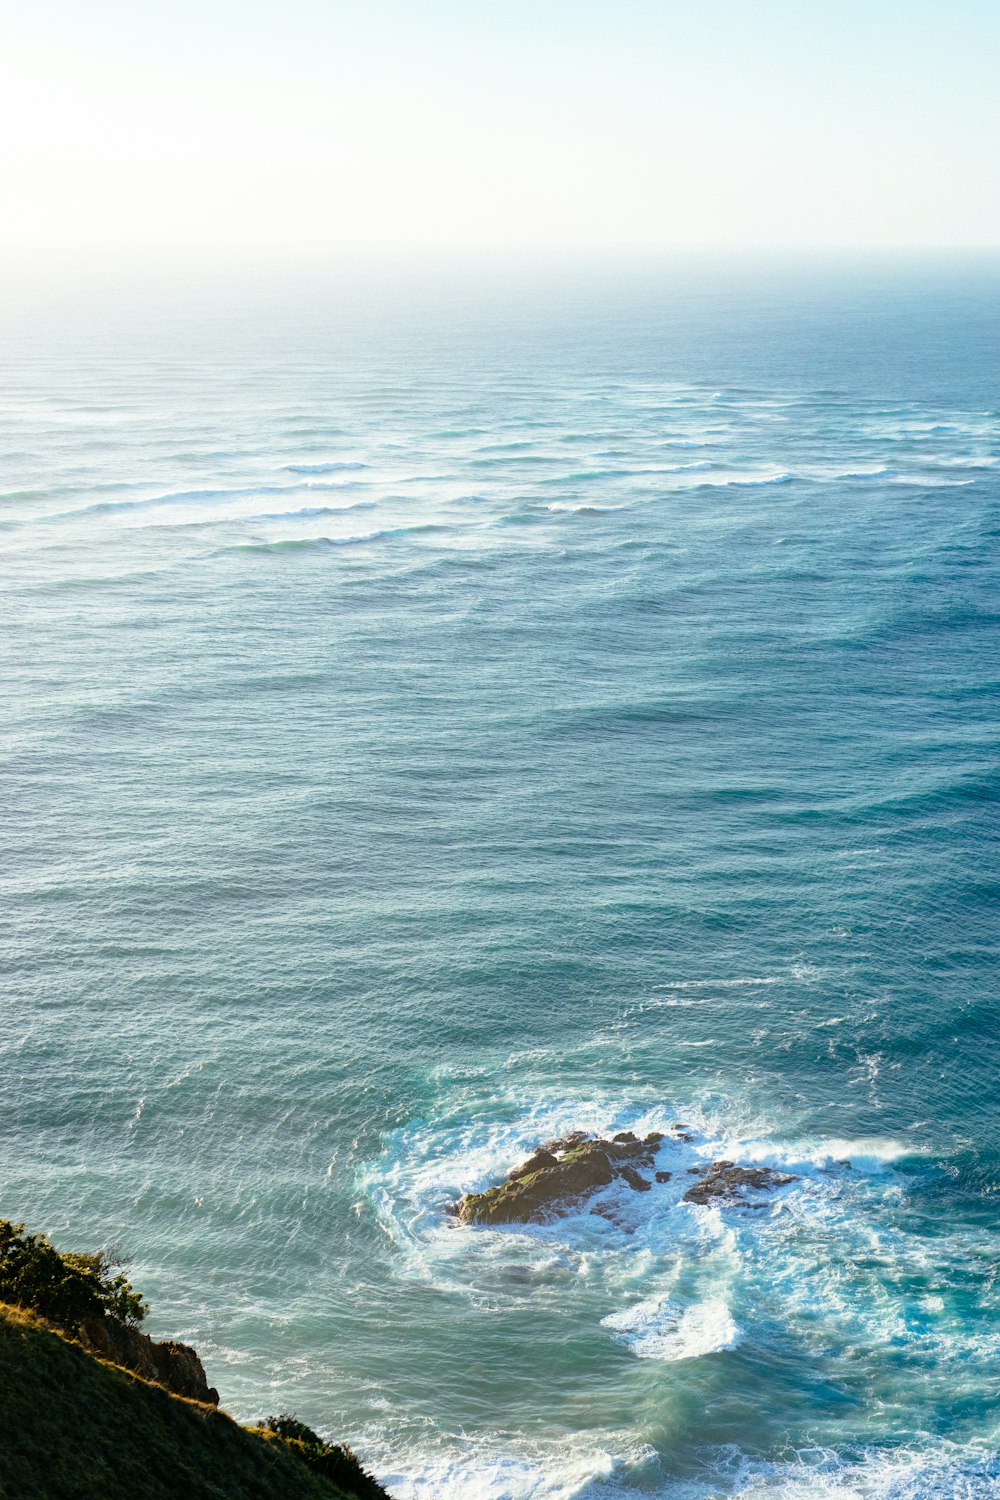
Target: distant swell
[(310, 512), (181, 497), (330, 468), (747, 481), (328, 543)]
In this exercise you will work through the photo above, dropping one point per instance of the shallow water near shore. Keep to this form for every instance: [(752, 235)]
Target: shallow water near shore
[(440, 717)]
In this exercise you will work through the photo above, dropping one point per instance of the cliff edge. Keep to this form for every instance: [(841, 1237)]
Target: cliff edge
[(78, 1428), (91, 1408)]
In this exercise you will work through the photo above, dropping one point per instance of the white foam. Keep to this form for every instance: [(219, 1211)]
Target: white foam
[(931, 481), (476, 1471), (718, 984), (661, 1329), (949, 1473), (870, 1155)]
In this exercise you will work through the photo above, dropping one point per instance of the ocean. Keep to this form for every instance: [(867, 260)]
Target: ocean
[(447, 709)]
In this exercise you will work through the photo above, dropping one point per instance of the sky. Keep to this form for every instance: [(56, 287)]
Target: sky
[(379, 125)]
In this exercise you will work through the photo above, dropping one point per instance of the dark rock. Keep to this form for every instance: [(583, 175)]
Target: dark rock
[(625, 1135), (725, 1181), (175, 1366), (654, 1138), (533, 1164), (566, 1142), (633, 1150), (664, 1176)]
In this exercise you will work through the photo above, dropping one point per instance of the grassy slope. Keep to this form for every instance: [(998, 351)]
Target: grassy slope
[(73, 1428)]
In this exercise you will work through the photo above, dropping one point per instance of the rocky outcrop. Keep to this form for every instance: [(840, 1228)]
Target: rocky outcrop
[(174, 1366), (563, 1173), (560, 1174), (725, 1180)]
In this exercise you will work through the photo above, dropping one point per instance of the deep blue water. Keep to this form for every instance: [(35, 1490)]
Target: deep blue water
[(442, 712)]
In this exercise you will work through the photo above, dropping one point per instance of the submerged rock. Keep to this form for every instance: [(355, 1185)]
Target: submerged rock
[(560, 1174), (636, 1183), (725, 1180)]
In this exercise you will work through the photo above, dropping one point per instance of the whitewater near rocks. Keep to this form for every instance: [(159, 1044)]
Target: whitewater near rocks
[(563, 1174)]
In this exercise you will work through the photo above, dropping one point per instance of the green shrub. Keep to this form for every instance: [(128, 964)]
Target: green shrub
[(118, 1296), (331, 1460), (65, 1288)]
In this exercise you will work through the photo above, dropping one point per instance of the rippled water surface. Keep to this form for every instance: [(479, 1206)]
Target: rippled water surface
[(438, 717)]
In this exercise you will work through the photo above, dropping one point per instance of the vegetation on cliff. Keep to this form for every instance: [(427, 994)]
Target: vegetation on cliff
[(77, 1425), (64, 1286)]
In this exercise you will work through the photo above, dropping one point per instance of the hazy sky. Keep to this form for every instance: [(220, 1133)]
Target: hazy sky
[(462, 123)]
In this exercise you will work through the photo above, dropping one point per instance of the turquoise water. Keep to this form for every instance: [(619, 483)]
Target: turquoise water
[(443, 713)]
